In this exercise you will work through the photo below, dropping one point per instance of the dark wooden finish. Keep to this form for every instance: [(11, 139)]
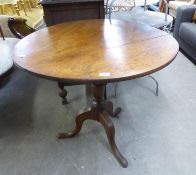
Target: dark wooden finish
[(56, 12), (96, 52), (63, 93), (99, 111), (19, 27), (79, 52)]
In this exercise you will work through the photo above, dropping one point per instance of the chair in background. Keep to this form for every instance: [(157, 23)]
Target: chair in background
[(118, 5), (173, 5), (9, 4), (19, 27), (21, 6), (27, 4), (14, 28), (34, 3), (185, 30), (15, 6)]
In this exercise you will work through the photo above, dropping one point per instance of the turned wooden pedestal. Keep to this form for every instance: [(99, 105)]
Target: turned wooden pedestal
[(100, 111)]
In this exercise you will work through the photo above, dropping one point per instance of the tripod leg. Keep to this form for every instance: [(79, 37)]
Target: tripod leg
[(110, 131), (90, 114)]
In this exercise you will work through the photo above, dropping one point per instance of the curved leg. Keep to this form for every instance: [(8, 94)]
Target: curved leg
[(79, 121), (110, 131), (63, 93), (99, 111), (109, 109)]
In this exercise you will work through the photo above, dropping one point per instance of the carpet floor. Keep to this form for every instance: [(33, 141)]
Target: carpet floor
[(157, 135)]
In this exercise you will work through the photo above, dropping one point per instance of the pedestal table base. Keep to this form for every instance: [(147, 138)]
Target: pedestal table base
[(100, 111)]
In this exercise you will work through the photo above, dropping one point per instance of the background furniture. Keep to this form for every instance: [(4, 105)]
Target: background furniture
[(9, 4), (173, 5), (155, 19), (185, 30), (14, 5), (66, 10), (27, 9), (160, 6), (155, 6), (17, 28), (6, 61), (14, 26), (117, 5)]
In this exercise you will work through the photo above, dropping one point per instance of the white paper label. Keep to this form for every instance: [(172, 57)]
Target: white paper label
[(104, 74), (22, 56)]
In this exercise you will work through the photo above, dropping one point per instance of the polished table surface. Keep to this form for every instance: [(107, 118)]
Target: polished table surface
[(96, 52), (81, 51)]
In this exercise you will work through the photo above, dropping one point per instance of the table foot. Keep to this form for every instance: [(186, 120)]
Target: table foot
[(99, 111), (110, 131), (109, 109)]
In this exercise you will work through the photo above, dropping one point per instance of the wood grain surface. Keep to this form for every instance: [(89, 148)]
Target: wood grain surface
[(92, 51)]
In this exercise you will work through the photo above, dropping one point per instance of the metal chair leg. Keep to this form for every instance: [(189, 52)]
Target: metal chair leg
[(106, 6), (105, 92), (110, 9), (116, 85), (115, 89), (157, 84)]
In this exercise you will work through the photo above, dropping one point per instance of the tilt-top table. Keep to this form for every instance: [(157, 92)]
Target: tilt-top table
[(96, 52)]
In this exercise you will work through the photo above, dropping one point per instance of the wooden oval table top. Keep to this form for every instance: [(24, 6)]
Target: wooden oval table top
[(93, 51)]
